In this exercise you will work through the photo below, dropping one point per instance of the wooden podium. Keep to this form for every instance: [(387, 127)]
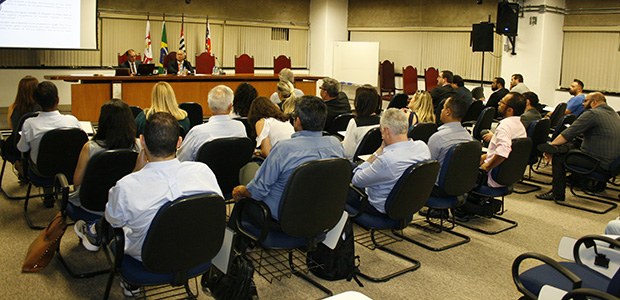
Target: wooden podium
[(90, 92)]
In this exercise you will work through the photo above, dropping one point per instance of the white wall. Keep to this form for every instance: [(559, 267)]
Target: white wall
[(328, 23)]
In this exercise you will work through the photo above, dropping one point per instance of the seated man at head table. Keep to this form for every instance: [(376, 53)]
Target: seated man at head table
[(180, 66), (131, 63), (381, 171)]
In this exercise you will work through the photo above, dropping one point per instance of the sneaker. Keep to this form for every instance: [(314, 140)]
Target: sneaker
[(128, 290), (86, 233), (550, 196)]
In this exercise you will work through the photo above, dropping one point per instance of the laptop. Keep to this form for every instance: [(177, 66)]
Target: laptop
[(145, 69), (121, 72)]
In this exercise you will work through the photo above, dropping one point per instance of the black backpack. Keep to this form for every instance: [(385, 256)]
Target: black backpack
[(336, 264), (237, 284)]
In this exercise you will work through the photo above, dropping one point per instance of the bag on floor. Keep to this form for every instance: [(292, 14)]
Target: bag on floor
[(43, 248), (338, 263), (236, 284), (484, 207)]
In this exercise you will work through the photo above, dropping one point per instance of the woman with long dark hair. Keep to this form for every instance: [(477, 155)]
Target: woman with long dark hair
[(271, 124), (24, 101)]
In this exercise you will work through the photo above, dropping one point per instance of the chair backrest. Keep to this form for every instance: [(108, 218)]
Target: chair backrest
[(562, 124), (135, 110), (185, 233), (205, 63), (172, 56), (369, 143), (386, 76), (485, 119), (280, 63), (411, 191), (59, 151), (248, 129), (459, 169), (399, 101), (430, 78), (557, 114), (9, 149), (314, 197), (410, 80), (341, 122), (511, 170), (422, 131), (538, 131), (122, 58), (194, 112), (102, 172), (474, 110), (244, 64), (225, 157)]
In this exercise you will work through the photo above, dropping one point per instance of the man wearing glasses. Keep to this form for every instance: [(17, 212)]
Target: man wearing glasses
[(131, 63), (510, 127)]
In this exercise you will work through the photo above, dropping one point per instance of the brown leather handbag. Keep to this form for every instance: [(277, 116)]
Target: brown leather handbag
[(43, 248)]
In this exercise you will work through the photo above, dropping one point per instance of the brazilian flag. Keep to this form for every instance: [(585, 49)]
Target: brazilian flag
[(163, 51)]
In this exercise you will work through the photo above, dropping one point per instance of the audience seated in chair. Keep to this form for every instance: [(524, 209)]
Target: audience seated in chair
[(510, 127), (306, 144), (365, 119), (458, 84), (288, 97), (46, 95), (163, 99), (158, 179), (337, 102), (220, 124), (244, 95), (444, 88), (270, 125), (599, 125), (531, 113), (499, 92), (420, 109), (286, 75), (451, 132), (116, 130), (379, 173)]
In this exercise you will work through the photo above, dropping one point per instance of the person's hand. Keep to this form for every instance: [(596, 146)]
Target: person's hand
[(487, 137), (239, 192)]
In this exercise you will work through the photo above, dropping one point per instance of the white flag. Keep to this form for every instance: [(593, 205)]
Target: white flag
[(148, 52)]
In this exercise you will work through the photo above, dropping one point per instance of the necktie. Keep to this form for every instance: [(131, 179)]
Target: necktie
[(133, 67)]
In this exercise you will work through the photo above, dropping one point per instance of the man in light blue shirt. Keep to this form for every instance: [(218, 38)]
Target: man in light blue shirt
[(306, 144), (380, 172), (451, 132), (220, 124)]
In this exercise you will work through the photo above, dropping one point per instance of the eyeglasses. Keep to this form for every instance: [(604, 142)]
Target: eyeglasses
[(505, 103)]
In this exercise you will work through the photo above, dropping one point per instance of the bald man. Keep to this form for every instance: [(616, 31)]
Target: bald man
[(599, 125), (180, 66)]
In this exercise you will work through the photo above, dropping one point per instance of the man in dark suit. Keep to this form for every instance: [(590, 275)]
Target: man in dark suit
[(444, 89), (337, 102), (131, 63), (180, 66), (499, 91)]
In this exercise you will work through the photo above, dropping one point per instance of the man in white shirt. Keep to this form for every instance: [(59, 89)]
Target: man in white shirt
[(49, 118), (220, 124)]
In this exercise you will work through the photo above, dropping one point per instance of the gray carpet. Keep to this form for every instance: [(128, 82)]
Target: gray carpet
[(477, 270)]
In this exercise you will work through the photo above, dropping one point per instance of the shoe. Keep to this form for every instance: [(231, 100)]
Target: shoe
[(550, 196), (84, 231), (128, 290)]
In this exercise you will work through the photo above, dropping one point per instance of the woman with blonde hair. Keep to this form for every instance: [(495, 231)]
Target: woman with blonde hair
[(163, 99), (286, 93), (420, 108)]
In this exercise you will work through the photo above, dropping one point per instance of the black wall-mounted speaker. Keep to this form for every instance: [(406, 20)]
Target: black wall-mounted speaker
[(482, 37), (507, 18)]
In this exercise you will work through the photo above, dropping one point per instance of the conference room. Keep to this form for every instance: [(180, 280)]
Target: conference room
[(553, 43)]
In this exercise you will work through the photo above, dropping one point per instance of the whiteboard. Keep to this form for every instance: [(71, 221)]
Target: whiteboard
[(356, 62)]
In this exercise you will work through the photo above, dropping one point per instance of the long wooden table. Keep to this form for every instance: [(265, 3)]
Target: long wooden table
[(90, 92)]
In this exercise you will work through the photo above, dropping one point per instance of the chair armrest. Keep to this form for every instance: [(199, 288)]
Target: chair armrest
[(581, 292), (61, 184), (581, 157), (590, 241), (364, 201), (113, 240), (468, 123), (548, 261), (266, 212)]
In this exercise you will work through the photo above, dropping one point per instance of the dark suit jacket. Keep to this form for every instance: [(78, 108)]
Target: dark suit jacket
[(173, 66), (339, 105), (441, 92), (495, 98), (126, 64)]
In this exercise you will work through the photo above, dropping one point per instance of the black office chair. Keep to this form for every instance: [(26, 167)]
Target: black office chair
[(172, 252), (557, 114), (102, 172), (570, 276), (407, 197), (59, 151), (340, 123), (587, 175), (225, 157), (135, 110), (580, 293), (248, 129), (473, 112), (10, 153), (312, 204), (369, 144), (422, 131), (457, 177), (538, 131), (507, 174), (485, 119), (194, 112), (563, 123)]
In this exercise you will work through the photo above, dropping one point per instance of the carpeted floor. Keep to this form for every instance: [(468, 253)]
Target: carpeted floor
[(477, 270)]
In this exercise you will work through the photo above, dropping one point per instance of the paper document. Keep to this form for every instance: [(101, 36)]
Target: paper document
[(332, 236)]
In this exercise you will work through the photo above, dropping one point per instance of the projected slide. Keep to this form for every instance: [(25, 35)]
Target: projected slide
[(63, 24)]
